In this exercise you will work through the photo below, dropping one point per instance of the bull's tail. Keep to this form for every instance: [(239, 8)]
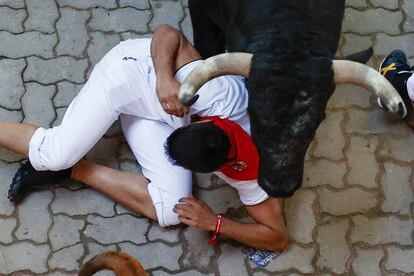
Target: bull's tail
[(120, 263), (361, 57)]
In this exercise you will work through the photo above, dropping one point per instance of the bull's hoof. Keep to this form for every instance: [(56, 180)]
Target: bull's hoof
[(27, 179)]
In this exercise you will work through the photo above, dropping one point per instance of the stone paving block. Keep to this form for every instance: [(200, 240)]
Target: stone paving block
[(37, 104), (364, 166), (82, 4), (139, 4), (399, 149), (9, 156), (67, 258), (42, 16), (185, 273), (104, 152), (66, 92), (65, 232), (11, 20), (300, 218), (221, 199), (7, 226), (30, 257), (386, 4), (408, 8), (10, 116), (34, 217), (114, 130), (73, 36), (82, 202), (329, 137), (386, 43), (131, 35), (60, 112), (124, 152), (294, 258), (186, 26), (231, 261), (382, 230), (376, 122), (202, 180), (54, 70), (7, 172), (99, 45), (371, 21), (154, 255), (16, 46), (169, 234), (117, 229), (333, 248), (346, 96), (355, 43), (198, 252), (166, 12), (396, 184), (130, 166), (357, 3), (400, 259), (120, 20), (346, 202), (95, 249), (367, 262), (324, 172), (11, 84), (16, 4)]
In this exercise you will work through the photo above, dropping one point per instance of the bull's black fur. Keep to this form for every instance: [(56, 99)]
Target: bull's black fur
[(291, 77)]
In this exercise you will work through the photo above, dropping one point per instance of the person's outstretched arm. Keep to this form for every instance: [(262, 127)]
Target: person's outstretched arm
[(269, 231), (170, 50)]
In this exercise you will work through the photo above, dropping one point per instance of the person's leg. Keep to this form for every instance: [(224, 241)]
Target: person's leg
[(59, 148), (167, 183), (16, 137), (128, 189)]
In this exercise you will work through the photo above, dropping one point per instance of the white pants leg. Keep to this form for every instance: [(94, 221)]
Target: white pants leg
[(410, 87), (168, 183), (85, 122)]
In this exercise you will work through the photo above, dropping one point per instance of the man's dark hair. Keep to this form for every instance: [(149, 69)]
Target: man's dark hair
[(201, 147)]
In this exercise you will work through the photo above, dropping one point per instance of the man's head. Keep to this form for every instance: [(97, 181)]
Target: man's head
[(200, 147)]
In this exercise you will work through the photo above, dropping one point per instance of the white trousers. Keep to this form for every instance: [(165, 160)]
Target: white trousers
[(410, 87), (86, 121)]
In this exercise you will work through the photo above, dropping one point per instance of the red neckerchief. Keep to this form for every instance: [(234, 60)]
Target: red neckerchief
[(243, 158)]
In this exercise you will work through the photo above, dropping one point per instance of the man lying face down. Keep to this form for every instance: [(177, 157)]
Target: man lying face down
[(137, 82)]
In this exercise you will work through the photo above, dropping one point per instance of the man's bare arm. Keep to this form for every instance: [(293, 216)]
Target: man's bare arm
[(269, 232), (170, 50)]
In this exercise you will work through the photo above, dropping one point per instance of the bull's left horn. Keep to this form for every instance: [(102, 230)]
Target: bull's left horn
[(361, 75), (223, 64)]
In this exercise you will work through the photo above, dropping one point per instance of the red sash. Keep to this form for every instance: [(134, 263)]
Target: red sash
[(243, 158)]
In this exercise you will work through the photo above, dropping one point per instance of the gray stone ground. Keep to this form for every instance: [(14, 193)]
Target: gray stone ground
[(353, 216)]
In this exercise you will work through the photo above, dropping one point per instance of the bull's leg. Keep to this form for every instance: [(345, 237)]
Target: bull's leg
[(208, 38)]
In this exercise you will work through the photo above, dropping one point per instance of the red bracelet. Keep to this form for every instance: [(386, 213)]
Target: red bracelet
[(213, 239)]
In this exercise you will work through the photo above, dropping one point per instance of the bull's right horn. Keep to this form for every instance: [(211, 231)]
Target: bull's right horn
[(216, 66), (361, 75)]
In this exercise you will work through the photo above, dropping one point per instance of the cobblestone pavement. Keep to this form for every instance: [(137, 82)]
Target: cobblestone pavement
[(353, 216)]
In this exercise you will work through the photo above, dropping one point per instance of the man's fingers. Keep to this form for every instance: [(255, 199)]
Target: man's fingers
[(183, 212), (187, 221), (188, 200)]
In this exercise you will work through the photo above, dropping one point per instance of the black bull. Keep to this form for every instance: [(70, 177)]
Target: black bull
[(291, 76)]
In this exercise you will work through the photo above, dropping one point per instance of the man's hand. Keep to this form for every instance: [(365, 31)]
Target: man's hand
[(196, 213), (167, 92)]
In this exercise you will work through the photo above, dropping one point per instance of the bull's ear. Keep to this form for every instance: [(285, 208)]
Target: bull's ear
[(223, 64), (361, 75)]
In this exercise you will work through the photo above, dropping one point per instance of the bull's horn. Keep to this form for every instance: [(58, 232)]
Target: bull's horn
[(345, 72), (361, 75), (223, 64)]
